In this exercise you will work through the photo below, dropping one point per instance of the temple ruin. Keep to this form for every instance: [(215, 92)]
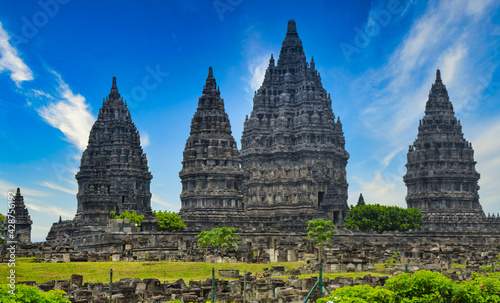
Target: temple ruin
[(441, 177)]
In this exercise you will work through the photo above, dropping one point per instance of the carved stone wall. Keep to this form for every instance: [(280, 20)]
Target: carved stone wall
[(211, 175), (293, 150), (441, 177)]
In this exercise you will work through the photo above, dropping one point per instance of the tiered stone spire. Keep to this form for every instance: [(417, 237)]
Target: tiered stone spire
[(22, 217), (211, 175), (292, 147), (114, 172), (441, 177)]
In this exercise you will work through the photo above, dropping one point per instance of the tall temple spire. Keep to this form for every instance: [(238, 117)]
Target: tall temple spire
[(292, 28), (437, 186), (292, 149), (211, 176), (292, 53), (22, 232), (114, 90), (114, 174)]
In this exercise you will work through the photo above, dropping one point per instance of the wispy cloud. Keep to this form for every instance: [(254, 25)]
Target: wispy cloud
[(51, 210), (10, 60), (70, 114), (486, 146), (59, 187), (144, 139), (6, 187), (170, 206), (256, 55), (459, 43)]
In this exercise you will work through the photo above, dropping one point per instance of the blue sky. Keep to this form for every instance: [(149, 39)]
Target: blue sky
[(377, 59)]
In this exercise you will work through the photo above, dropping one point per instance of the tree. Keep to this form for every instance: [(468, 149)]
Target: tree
[(321, 232), (380, 218), (219, 237), (2, 229), (169, 221), (133, 217)]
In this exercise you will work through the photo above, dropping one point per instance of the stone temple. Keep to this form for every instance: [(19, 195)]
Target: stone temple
[(293, 150), (23, 223), (441, 177), (291, 167), (293, 160), (211, 175), (114, 173)]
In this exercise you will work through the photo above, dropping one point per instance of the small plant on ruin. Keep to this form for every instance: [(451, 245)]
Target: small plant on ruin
[(320, 232), (393, 260), (133, 217), (219, 237), (169, 221)]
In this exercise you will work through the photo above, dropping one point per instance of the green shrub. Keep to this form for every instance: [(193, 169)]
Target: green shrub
[(28, 294), (422, 287), (169, 221), (359, 294), (426, 285), (133, 217)]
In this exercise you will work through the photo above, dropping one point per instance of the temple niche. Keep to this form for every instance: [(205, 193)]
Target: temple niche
[(293, 147), (441, 178), (211, 175)]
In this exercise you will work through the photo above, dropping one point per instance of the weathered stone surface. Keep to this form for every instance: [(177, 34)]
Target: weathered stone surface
[(211, 175), (22, 232), (292, 148), (441, 177), (114, 173)]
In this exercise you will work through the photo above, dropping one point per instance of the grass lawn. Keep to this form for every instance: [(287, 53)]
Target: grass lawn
[(163, 270)]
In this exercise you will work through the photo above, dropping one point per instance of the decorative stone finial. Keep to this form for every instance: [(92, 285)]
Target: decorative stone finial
[(114, 83), (292, 28), (18, 191), (210, 72), (438, 75)]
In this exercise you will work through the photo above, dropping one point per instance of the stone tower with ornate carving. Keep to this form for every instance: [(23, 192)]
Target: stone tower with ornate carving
[(293, 150), (114, 173), (22, 233), (211, 175), (441, 177)]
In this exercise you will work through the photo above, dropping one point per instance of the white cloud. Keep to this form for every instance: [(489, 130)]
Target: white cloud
[(51, 210), (10, 60), (457, 42), (486, 146), (256, 56), (170, 206), (6, 187), (69, 114), (59, 187), (144, 139)]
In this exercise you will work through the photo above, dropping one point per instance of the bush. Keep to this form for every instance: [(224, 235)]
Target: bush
[(28, 294), (423, 287), (380, 218), (169, 221), (359, 294), (133, 217)]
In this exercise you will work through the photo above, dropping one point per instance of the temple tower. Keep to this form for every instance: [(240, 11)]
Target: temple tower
[(441, 177), (114, 172), (211, 176), (23, 223), (293, 150)]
